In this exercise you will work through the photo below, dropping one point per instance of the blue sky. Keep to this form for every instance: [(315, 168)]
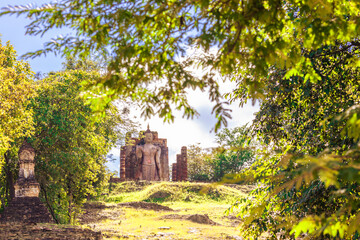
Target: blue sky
[(13, 28), (182, 132)]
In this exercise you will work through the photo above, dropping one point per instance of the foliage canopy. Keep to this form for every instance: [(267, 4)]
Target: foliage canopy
[(230, 157), (71, 145), (299, 57), (16, 89), (16, 119), (147, 44), (309, 187)]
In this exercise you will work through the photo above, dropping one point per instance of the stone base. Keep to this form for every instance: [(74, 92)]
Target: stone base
[(26, 210), (19, 231), (28, 188), (115, 180)]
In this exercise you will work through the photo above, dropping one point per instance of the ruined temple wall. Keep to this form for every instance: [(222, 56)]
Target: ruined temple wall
[(174, 172), (184, 173), (165, 162), (122, 163), (128, 159), (164, 158), (128, 166), (180, 167)]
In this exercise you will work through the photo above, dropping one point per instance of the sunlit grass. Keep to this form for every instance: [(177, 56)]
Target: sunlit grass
[(138, 224), (184, 198), (168, 191)]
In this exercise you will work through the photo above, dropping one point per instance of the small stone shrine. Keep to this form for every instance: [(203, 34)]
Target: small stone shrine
[(179, 169), (144, 158), (26, 206)]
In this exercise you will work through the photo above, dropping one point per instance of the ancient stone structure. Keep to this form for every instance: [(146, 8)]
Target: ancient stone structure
[(144, 158), (179, 169), (22, 231), (26, 206), (174, 172), (148, 155), (184, 164), (26, 185)]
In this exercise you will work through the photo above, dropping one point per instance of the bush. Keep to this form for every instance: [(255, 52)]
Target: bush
[(230, 157)]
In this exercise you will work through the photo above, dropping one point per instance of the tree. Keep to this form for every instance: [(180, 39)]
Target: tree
[(149, 42), (16, 120), (233, 153), (230, 157), (309, 122), (87, 64), (71, 146), (306, 113), (144, 41), (199, 168)]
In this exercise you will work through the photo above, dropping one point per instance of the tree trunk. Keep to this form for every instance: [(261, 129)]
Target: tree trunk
[(10, 190), (70, 208), (52, 212), (70, 211)]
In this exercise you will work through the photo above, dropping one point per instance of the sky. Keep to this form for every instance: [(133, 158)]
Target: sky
[(182, 132)]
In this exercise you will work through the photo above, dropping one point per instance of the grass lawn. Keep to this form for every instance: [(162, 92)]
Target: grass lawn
[(165, 210)]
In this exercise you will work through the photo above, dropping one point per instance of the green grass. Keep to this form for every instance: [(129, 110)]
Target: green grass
[(123, 222), (173, 192)]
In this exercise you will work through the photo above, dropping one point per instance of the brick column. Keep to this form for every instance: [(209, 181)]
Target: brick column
[(174, 172), (122, 163), (166, 163), (184, 164), (179, 176), (127, 165)]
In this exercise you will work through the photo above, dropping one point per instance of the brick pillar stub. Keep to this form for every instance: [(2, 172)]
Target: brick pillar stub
[(178, 167), (184, 163), (174, 177), (122, 163)]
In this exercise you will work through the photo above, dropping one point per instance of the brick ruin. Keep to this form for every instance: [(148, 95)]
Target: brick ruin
[(26, 206), (179, 169), (129, 163)]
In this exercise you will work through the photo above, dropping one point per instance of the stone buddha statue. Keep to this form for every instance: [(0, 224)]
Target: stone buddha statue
[(148, 157)]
